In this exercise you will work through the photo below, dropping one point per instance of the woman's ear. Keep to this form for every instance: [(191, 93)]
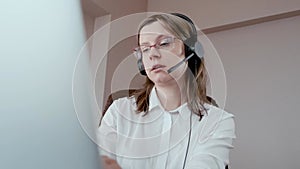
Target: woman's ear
[(182, 51)]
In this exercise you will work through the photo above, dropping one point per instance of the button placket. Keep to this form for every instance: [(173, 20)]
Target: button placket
[(164, 141)]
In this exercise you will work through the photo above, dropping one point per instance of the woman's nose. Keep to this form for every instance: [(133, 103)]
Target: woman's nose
[(154, 53)]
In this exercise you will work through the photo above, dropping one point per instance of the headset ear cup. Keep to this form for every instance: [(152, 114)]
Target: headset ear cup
[(141, 67), (199, 51), (195, 61), (198, 48), (187, 50)]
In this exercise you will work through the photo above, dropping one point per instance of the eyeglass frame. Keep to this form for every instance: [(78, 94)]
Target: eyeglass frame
[(138, 52)]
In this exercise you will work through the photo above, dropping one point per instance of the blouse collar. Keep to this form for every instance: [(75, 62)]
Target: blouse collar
[(154, 102)]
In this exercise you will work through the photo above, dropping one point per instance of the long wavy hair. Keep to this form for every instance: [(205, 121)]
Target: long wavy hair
[(195, 84)]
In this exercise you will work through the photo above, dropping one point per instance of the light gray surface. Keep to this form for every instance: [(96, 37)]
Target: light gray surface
[(40, 41)]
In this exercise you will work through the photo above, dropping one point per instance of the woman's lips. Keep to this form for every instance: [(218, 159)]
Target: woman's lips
[(157, 67)]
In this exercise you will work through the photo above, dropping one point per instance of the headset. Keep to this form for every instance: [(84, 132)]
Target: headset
[(193, 50)]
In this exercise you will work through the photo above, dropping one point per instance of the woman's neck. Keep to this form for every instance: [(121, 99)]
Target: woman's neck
[(171, 96)]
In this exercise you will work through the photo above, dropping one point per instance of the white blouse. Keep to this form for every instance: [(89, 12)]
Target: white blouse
[(160, 138)]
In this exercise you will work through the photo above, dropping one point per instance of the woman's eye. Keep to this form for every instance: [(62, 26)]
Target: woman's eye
[(145, 49), (164, 43)]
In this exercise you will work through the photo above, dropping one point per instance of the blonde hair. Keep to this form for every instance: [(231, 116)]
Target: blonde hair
[(195, 84)]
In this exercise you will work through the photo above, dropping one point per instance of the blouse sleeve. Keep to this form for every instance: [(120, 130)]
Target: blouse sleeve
[(213, 152), (107, 132)]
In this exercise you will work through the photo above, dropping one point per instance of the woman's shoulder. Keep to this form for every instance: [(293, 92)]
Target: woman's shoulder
[(217, 122), (213, 111), (123, 106), (217, 117), (124, 102)]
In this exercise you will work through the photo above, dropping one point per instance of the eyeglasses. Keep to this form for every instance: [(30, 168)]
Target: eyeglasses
[(164, 44)]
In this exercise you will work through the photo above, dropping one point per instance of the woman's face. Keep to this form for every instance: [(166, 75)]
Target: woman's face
[(160, 51)]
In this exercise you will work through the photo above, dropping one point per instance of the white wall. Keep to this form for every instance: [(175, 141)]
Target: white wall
[(210, 13), (124, 48), (261, 63), (98, 62), (89, 25), (97, 14)]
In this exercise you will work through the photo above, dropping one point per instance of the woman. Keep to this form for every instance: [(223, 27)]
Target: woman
[(169, 123)]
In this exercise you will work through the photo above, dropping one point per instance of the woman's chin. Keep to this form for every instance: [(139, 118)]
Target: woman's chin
[(160, 77)]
